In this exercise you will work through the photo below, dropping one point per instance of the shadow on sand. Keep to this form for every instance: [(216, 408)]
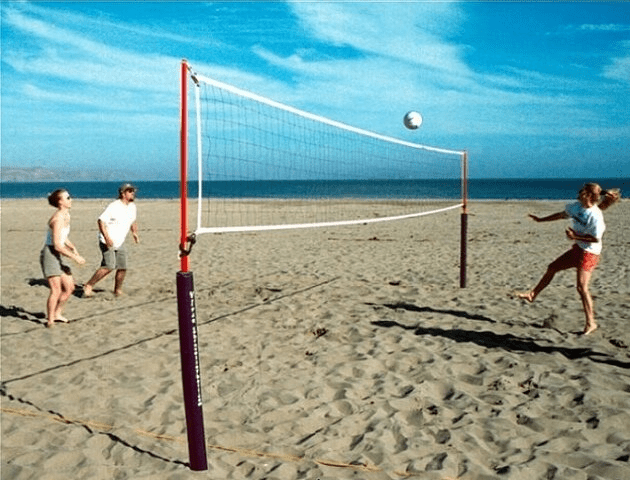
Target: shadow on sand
[(487, 339)]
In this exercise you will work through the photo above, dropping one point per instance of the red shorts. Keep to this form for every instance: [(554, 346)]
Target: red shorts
[(576, 258)]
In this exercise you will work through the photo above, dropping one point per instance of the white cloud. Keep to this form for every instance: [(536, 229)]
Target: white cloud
[(63, 53), (619, 67), (609, 27), (403, 62), (587, 28), (99, 23), (412, 32)]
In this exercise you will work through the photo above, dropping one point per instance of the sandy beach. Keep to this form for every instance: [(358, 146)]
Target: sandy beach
[(335, 353)]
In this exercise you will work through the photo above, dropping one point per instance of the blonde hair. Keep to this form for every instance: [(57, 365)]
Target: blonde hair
[(593, 189)]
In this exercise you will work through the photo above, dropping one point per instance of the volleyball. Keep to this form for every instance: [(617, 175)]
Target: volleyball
[(412, 120)]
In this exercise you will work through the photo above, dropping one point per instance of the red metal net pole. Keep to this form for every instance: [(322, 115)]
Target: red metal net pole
[(183, 146), (187, 311)]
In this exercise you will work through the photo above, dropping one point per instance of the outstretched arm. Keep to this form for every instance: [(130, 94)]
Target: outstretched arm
[(550, 218)]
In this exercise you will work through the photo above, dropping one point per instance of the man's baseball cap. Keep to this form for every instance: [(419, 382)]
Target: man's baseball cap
[(126, 187)]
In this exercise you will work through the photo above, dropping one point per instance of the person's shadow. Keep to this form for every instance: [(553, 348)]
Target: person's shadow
[(489, 339), (42, 282), (19, 312)]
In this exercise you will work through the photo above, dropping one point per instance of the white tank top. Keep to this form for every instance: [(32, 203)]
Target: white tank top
[(65, 232)]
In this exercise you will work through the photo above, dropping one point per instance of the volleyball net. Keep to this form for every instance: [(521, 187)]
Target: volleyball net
[(264, 165)]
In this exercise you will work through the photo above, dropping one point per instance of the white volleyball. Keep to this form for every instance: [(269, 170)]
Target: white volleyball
[(412, 120)]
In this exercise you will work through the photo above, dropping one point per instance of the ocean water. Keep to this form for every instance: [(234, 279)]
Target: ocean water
[(478, 189)]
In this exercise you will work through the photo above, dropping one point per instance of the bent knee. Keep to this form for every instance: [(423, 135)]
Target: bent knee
[(583, 289), (551, 271)]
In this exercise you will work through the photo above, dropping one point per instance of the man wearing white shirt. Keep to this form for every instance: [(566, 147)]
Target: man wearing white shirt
[(114, 224)]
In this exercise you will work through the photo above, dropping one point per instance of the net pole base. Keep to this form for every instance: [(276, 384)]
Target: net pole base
[(191, 374)]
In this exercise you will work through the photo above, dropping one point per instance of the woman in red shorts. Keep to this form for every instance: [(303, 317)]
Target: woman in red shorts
[(586, 230)]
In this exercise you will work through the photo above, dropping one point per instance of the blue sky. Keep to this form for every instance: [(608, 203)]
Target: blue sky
[(529, 89)]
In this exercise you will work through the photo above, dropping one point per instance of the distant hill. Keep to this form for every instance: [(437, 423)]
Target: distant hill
[(43, 174)]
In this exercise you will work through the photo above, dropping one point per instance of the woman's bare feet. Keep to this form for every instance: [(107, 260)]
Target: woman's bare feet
[(589, 329), (87, 291), (529, 296), (59, 318)]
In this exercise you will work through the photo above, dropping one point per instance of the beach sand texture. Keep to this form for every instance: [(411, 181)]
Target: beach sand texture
[(325, 354)]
